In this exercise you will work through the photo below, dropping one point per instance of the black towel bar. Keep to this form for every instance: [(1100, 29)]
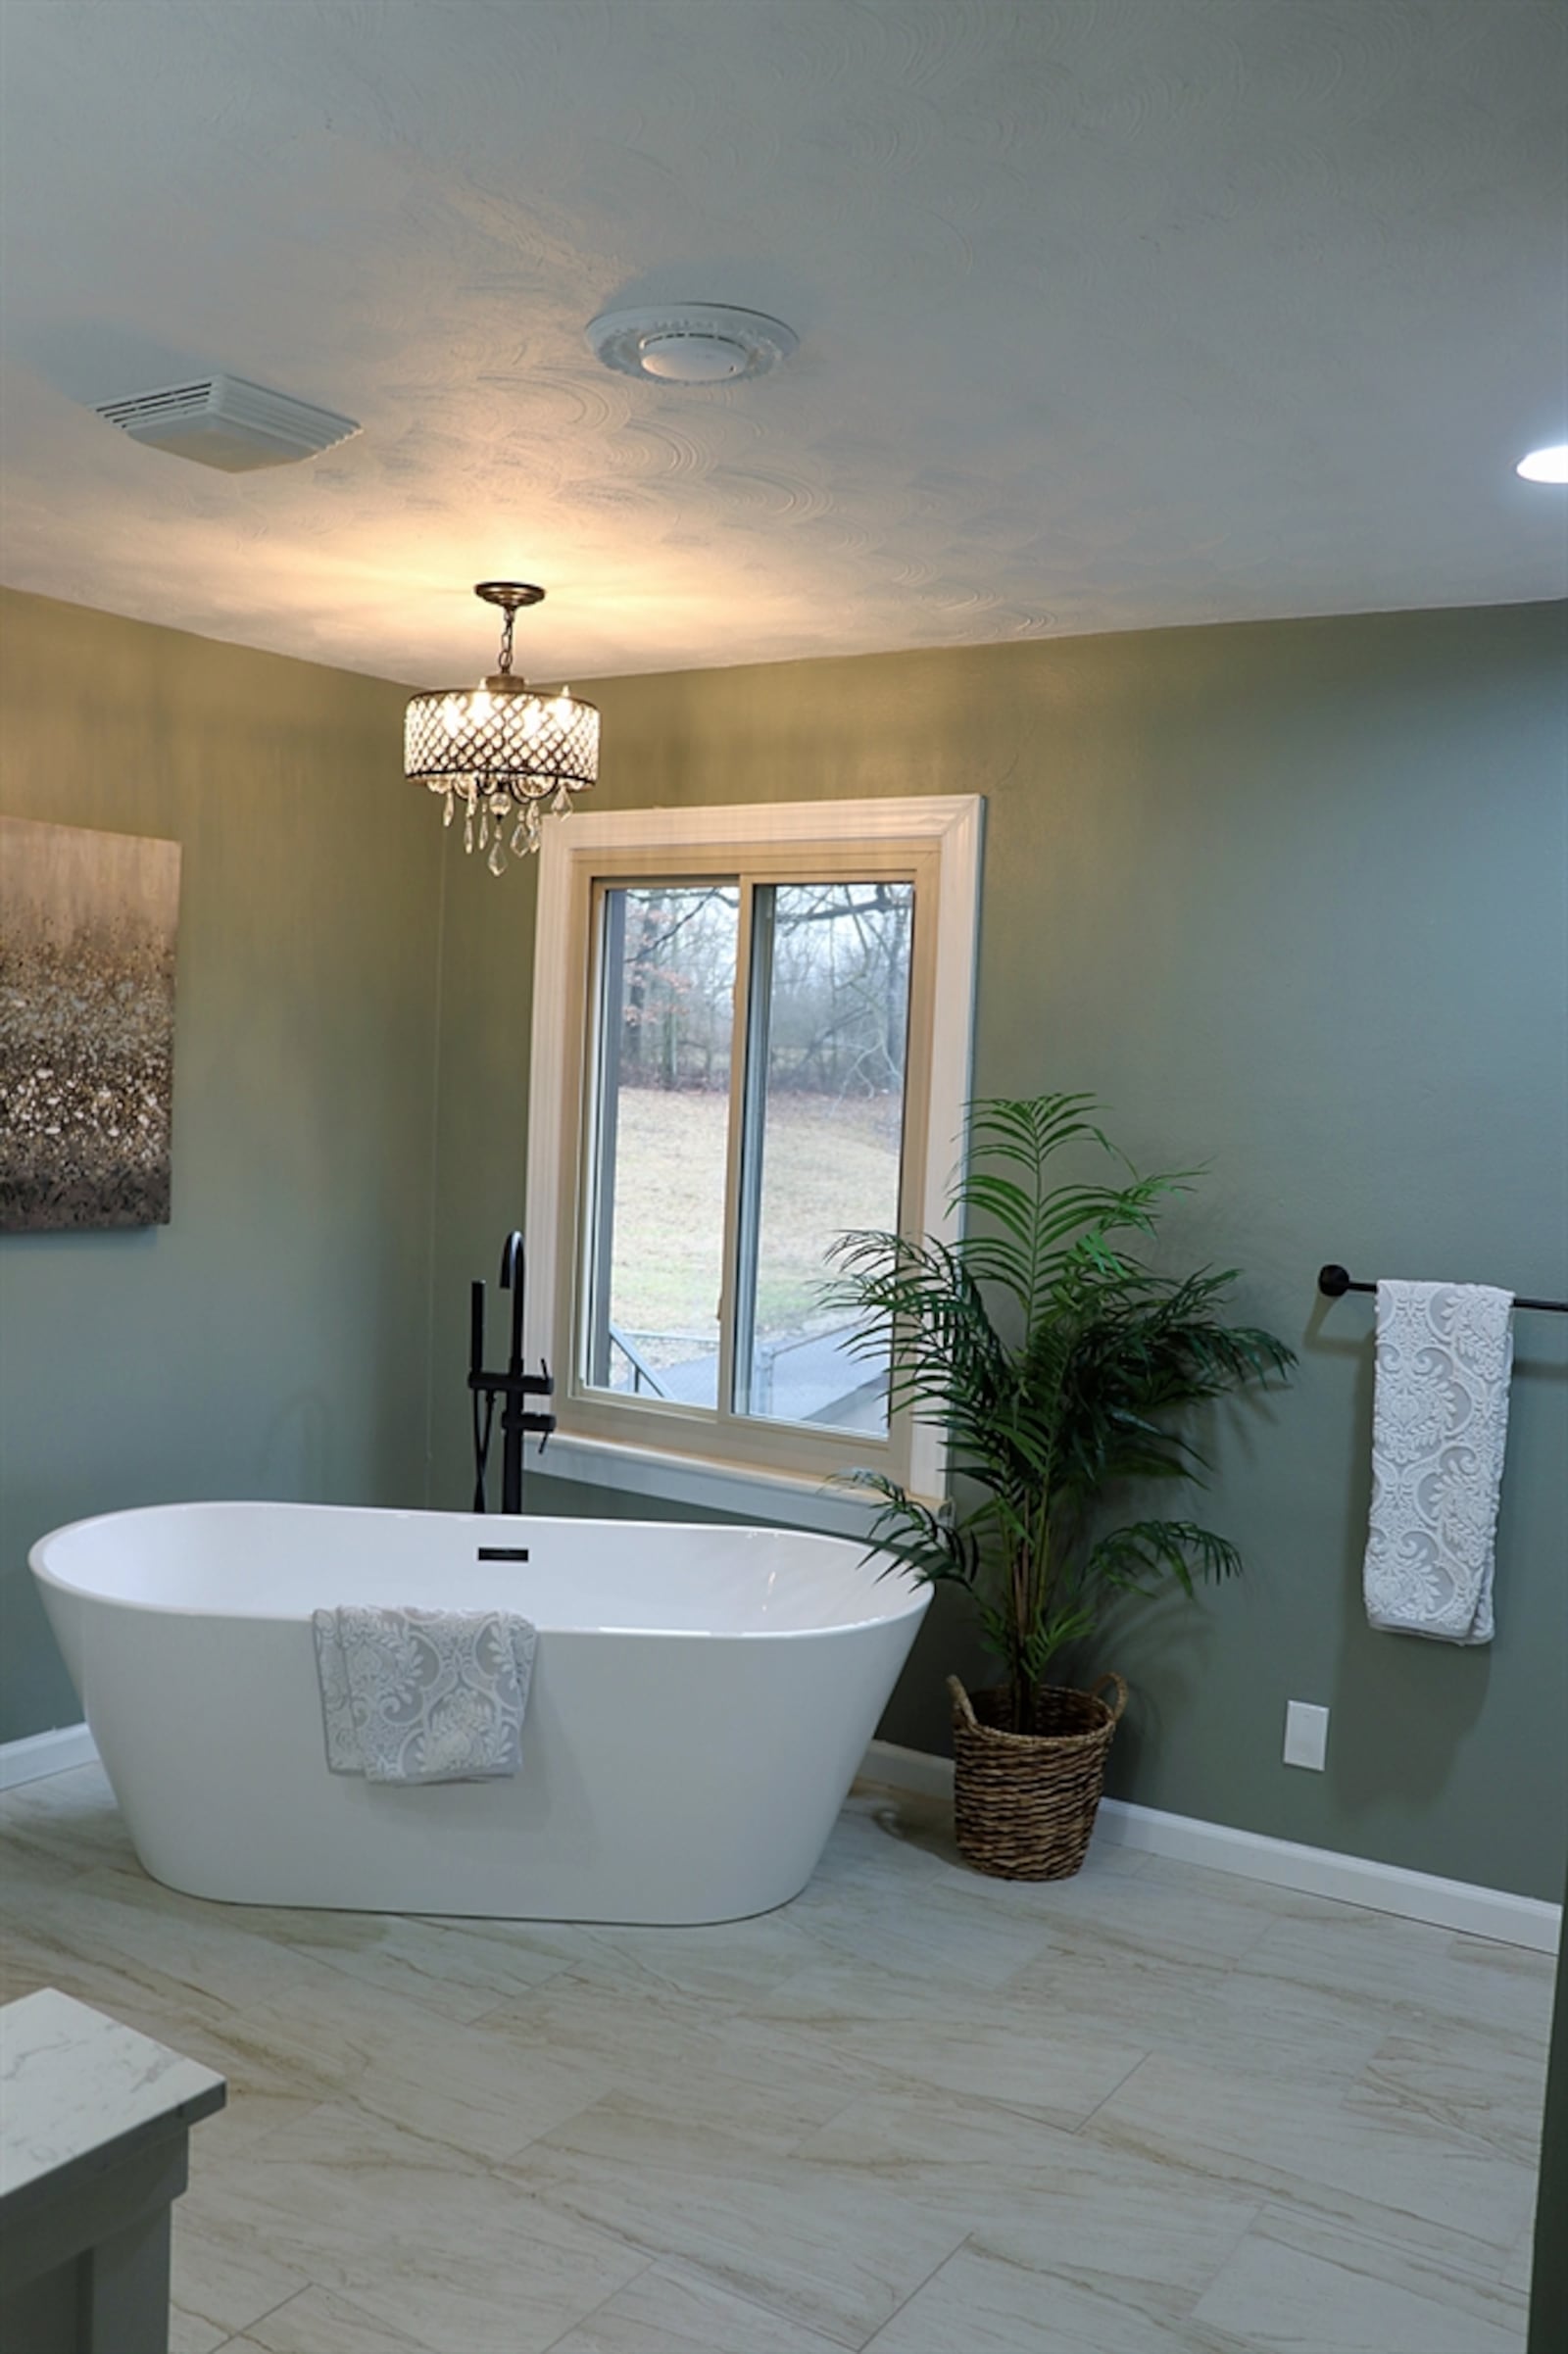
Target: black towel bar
[(1333, 1282)]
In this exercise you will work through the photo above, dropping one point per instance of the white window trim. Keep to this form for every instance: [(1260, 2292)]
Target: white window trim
[(953, 824)]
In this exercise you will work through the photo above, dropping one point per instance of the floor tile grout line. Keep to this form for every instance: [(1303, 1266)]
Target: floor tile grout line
[(882, 2328), (867, 2345), (1295, 2191), (710, 2257), (795, 2153), (1153, 2054), (341, 2296), (641, 2273), (738, 2296), (1455, 2265), (1241, 2237), (245, 2328)]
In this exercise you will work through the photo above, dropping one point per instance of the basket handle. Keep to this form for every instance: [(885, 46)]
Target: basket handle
[(1119, 1703), (963, 1710)]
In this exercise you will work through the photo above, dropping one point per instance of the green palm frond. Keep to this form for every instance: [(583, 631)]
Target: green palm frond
[(1034, 1232), (1056, 1366), (917, 1536), (1148, 1555)]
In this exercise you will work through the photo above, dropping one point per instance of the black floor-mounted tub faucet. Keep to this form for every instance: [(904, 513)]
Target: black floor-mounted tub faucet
[(513, 1386)]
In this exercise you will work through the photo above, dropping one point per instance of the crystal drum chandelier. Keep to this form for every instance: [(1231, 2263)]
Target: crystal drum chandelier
[(509, 755)]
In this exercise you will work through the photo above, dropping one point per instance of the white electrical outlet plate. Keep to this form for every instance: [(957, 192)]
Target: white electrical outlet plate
[(1306, 1735)]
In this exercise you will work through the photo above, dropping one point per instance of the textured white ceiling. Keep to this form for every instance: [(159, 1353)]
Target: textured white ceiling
[(1113, 313)]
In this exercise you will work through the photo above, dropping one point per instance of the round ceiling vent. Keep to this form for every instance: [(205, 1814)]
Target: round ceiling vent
[(691, 343)]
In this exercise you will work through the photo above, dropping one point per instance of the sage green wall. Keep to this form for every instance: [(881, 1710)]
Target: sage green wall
[(1289, 898), (272, 1340)]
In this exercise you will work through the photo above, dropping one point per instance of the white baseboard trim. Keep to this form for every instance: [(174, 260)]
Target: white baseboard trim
[(1457, 1904), (44, 1754)]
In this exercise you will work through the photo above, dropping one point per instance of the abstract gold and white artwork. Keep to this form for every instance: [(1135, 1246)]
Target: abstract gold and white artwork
[(88, 932)]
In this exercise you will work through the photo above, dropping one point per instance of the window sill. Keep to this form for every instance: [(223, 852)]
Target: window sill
[(746, 1495)]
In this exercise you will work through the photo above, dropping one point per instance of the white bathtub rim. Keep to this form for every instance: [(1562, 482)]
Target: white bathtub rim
[(915, 1604)]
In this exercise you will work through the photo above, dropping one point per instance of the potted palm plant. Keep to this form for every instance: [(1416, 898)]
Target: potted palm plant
[(1055, 1365)]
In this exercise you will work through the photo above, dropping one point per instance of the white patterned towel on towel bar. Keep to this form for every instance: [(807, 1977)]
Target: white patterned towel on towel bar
[(423, 1696), (1439, 1423)]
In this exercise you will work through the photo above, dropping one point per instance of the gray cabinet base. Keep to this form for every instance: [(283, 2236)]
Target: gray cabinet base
[(91, 2276)]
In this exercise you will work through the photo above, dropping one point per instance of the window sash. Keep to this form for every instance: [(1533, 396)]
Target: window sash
[(719, 1433), (758, 1105), (748, 1110)]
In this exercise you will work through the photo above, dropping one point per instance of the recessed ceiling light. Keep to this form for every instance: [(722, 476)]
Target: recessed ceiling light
[(1545, 466), (691, 343)]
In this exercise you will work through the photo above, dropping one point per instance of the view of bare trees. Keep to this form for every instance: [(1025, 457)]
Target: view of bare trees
[(838, 983), (827, 1018), (677, 957)]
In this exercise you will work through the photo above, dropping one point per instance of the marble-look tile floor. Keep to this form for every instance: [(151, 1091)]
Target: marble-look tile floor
[(916, 2112)]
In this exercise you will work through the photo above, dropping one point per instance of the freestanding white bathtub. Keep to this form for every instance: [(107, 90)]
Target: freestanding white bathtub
[(701, 1699)]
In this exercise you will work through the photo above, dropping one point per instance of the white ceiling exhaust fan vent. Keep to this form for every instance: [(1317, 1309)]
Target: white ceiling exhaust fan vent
[(228, 423)]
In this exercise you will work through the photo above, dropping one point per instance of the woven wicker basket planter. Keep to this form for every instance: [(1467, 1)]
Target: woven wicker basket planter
[(1025, 1803)]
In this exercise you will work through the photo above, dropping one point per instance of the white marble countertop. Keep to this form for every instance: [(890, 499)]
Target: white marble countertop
[(79, 2092)]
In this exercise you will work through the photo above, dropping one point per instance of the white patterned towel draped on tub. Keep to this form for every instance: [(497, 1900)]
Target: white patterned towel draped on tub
[(423, 1696), (1440, 1422)]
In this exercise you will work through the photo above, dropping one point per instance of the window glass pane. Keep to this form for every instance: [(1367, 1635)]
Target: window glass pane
[(656, 1244), (823, 1134)]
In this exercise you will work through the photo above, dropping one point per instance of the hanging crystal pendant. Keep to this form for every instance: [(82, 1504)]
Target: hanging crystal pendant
[(506, 752)]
